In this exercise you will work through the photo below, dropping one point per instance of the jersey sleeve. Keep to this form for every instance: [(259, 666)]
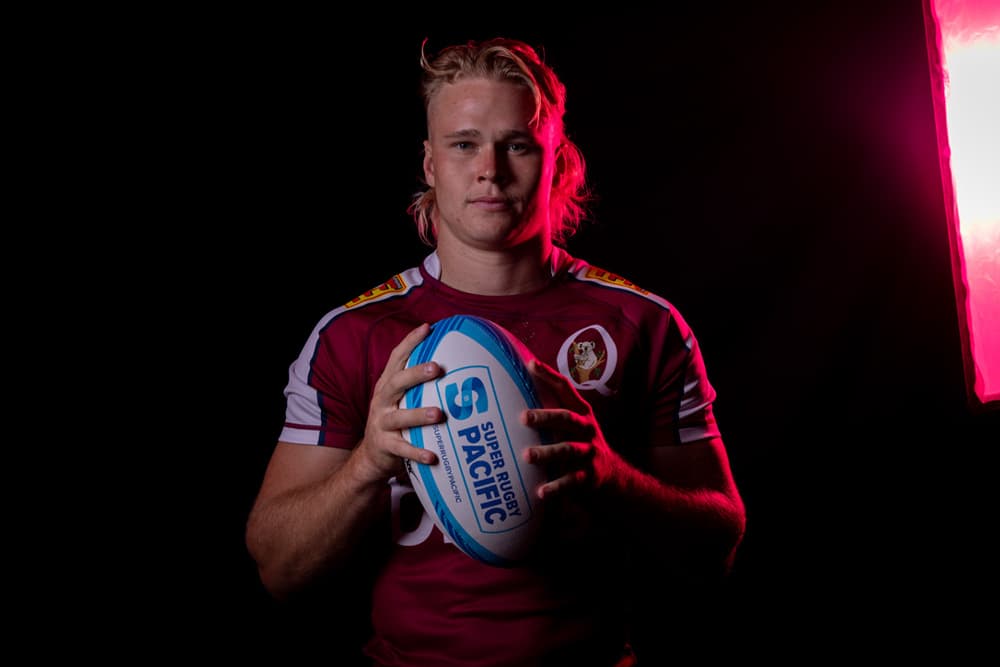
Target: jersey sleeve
[(323, 401), (683, 395)]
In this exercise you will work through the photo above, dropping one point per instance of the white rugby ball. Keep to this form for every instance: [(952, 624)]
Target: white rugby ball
[(480, 493)]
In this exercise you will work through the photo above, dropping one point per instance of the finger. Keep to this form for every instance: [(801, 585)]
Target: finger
[(419, 454), (558, 384), (572, 425), (399, 383), (563, 452), (405, 450), (402, 351), (410, 341), (386, 452), (571, 480), (402, 419), (395, 381)]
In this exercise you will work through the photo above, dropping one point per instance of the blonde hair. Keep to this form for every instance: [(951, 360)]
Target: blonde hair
[(510, 60)]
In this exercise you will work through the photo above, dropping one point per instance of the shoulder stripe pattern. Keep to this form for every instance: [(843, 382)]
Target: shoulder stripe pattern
[(593, 274), (399, 285), (395, 285)]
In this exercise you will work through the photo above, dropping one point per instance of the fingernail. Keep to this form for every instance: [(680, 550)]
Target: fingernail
[(431, 413)]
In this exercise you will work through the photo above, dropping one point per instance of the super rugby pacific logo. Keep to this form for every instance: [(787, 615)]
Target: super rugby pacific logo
[(589, 358), (482, 447)]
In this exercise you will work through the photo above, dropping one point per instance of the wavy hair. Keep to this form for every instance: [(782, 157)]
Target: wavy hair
[(514, 61)]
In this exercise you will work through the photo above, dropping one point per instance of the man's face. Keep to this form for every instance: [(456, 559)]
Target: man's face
[(491, 172)]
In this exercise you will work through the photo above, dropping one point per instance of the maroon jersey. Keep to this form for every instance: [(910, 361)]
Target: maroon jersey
[(628, 352)]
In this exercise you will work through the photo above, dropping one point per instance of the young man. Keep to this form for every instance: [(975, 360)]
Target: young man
[(637, 469)]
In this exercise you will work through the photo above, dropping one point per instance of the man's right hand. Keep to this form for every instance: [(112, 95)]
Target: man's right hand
[(382, 449)]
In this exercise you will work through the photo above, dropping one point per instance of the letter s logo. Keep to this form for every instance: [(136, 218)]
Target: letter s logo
[(463, 410)]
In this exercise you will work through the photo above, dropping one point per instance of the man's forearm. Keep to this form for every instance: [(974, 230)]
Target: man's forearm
[(702, 523), (300, 534)]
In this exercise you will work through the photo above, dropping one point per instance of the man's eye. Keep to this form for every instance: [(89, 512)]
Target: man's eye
[(463, 145), (517, 148)]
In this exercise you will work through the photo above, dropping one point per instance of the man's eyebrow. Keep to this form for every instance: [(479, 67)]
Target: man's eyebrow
[(476, 134), (519, 134), (463, 134)]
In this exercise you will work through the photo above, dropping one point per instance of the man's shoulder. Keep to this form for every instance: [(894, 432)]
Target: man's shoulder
[(616, 287), (375, 303)]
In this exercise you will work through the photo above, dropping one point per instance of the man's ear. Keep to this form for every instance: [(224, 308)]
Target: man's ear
[(428, 164)]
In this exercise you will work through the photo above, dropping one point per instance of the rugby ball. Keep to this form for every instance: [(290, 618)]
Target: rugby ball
[(480, 493)]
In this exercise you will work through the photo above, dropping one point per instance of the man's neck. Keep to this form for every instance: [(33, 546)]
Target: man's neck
[(496, 273)]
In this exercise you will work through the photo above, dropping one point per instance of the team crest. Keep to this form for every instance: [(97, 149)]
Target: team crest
[(588, 358), (391, 286)]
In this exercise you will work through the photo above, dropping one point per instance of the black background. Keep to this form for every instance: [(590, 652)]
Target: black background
[(770, 170)]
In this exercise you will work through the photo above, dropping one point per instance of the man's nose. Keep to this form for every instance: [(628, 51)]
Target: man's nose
[(490, 167)]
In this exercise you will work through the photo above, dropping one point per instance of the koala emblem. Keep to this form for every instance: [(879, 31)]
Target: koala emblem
[(583, 355), (589, 358), (586, 360)]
